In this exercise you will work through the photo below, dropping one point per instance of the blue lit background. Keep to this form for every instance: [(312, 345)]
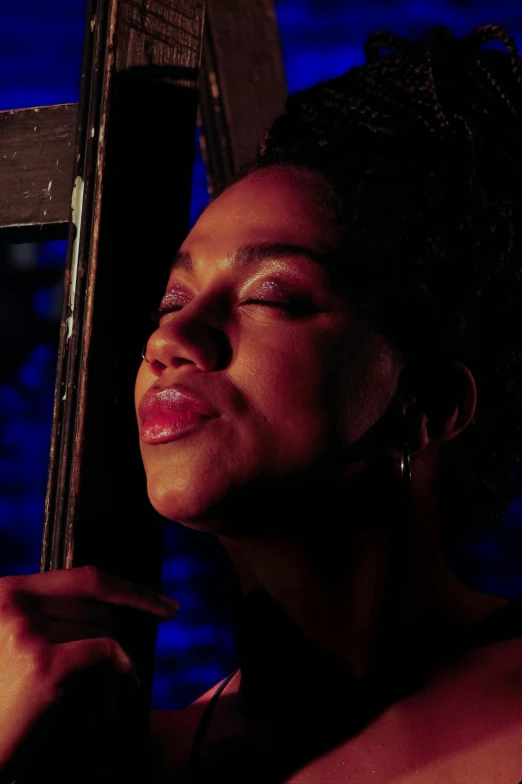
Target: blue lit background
[(40, 54)]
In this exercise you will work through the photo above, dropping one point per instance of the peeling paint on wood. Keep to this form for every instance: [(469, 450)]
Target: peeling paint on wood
[(139, 93), (32, 160), (77, 207)]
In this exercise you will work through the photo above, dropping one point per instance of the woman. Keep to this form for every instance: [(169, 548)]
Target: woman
[(331, 390), (344, 315)]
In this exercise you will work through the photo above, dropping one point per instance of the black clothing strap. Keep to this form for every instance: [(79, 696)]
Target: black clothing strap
[(202, 729)]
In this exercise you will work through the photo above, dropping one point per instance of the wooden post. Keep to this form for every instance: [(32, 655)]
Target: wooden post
[(129, 213), (242, 86)]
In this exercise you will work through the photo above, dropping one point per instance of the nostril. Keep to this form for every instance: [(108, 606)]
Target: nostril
[(151, 362)]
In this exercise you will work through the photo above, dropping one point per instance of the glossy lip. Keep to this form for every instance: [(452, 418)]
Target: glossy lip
[(169, 412), (161, 429), (173, 399)]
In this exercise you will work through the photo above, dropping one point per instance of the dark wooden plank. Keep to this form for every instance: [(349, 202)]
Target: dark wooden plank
[(36, 160), (130, 207), (242, 89), (242, 85)]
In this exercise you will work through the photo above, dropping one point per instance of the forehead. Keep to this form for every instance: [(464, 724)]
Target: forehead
[(271, 205)]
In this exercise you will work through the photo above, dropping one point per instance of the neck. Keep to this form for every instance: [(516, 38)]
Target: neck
[(351, 587)]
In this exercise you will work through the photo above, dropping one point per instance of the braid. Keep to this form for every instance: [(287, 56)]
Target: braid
[(421, 149)]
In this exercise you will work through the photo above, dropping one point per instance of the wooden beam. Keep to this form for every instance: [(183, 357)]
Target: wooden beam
[(36, 161), (130, 206), (242, 86), (242, 89)]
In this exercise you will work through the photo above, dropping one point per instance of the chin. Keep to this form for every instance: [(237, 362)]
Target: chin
[(230, 498), (195, 503), (185, 506), (206, 494), (211, 509)]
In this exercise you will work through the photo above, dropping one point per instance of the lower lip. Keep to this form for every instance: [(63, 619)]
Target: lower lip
[(162, 428)]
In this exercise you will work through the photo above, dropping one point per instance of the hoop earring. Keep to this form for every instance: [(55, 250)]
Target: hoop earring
[(406, 465), (143, 354)]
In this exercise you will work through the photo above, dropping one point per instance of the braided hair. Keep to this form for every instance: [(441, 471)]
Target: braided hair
[(421, 149)]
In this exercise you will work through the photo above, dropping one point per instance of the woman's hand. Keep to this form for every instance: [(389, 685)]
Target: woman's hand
[(53, 626)]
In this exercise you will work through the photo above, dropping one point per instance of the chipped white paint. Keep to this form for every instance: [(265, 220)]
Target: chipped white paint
[(93, 22), (49, 186), (65, 395), (77, 206), (92, 132), (35, 127), (45, 212)]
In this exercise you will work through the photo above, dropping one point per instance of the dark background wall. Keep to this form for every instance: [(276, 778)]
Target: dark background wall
[(40, 53)]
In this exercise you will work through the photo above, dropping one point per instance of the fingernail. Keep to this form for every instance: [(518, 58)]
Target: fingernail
[(170, 604)]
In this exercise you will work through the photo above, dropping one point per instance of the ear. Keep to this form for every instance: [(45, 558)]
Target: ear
[(442, 405)]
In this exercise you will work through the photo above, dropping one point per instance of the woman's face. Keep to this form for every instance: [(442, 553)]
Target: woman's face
[(255, 327)]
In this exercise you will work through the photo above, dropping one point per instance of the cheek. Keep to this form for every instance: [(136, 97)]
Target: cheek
[(295, 389), (365, 385), (322, 392)]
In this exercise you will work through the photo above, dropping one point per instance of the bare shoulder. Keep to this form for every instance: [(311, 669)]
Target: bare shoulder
[(172, 735), (464, 726)]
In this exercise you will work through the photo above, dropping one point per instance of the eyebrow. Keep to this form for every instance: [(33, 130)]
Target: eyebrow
[(253, 254)]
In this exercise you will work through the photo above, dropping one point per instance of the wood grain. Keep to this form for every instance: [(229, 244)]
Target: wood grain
[(36, 160), (132, 173), (243, 87)]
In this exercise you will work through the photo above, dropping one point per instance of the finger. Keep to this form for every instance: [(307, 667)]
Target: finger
[(70, 658), (96, 585), (63, 608), (57, 631)]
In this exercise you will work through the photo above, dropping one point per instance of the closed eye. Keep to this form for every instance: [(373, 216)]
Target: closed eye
[(159, 312), (295, 307), (270, 303)]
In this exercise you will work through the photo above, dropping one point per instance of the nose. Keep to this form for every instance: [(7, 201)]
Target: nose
[(190, 336)]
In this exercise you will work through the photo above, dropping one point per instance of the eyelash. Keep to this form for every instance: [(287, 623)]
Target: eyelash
[(296, 307)]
